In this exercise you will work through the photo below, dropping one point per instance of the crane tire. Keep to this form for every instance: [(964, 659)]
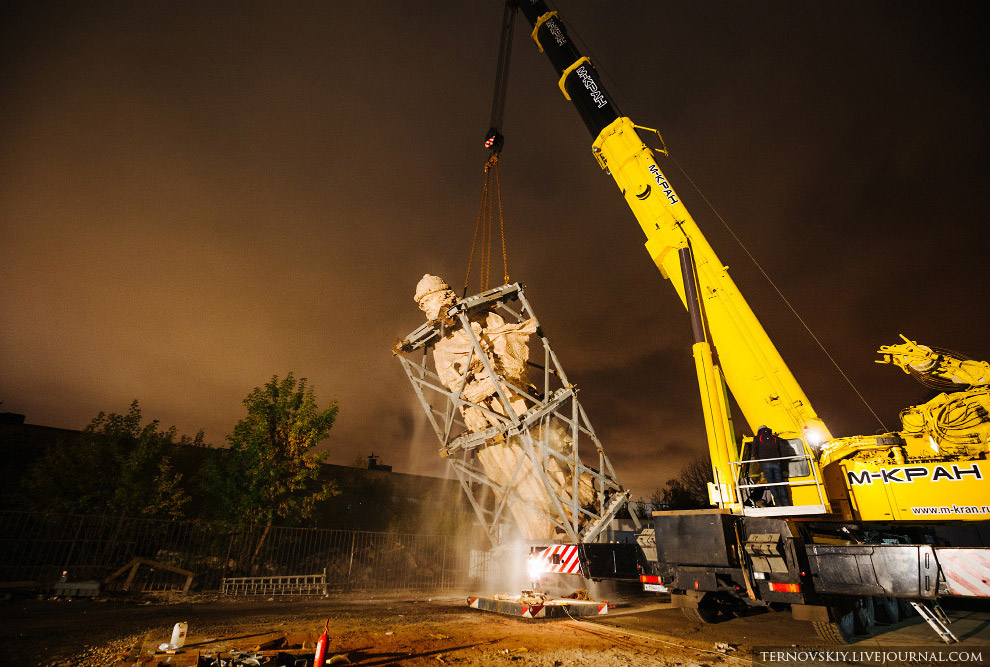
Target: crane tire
[(865, 616), (841, 631), (701, 614), (888, 610)]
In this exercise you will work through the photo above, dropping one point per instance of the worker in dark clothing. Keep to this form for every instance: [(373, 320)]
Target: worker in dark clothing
[(766, 446)]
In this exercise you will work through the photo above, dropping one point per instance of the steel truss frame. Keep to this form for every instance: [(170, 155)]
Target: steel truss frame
[(554, 399)]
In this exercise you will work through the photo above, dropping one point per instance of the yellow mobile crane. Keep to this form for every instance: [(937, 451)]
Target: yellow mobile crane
[(863, 528)]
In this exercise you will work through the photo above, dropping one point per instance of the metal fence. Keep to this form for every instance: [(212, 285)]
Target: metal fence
[(38, 548)]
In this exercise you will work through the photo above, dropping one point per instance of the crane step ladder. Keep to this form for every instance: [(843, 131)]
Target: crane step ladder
[(803, 474), (936, 618)]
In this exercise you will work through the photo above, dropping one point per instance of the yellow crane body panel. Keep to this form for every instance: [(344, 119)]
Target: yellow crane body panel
[(946, 491)]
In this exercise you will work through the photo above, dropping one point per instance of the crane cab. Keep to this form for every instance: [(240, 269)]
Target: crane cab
[(802, 481)]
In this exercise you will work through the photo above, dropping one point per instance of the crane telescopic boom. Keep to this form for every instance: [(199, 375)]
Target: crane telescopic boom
[(746, 358), (890, 476)]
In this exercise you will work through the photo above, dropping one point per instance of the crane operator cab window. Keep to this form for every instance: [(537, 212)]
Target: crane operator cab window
[(797, 467)]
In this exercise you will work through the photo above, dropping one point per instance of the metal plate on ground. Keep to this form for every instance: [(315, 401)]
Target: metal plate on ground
[(525, 607)]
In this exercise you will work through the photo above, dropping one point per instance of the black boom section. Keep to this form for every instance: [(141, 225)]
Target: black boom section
[(583, 85), (610, 561), (696, 537), (894, 570)]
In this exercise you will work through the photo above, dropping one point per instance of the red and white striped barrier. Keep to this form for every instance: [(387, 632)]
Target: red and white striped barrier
[(966, 571), (560, 559), (533, 611)]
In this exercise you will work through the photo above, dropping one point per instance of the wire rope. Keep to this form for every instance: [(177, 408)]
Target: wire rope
[(485, 230)]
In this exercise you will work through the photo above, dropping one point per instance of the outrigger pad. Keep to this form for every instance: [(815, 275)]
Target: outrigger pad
[(524, 606)]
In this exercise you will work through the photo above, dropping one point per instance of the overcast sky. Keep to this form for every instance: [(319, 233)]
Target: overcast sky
[(195, 196)]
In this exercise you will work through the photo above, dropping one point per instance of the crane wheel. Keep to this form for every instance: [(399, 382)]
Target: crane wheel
[(851, 618), (865, 616), (701, 614), (887, 610), (841, 631)]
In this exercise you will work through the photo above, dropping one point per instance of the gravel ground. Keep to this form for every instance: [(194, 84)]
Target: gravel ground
[(426, 629), (368, 631)]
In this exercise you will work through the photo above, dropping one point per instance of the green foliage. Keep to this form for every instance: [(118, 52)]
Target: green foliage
[(116, 465), (270, 473)]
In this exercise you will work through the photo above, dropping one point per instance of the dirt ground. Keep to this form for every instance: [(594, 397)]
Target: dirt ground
[(407, 629), (402, 630)]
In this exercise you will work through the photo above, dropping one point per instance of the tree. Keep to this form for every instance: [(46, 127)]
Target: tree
[(115, 465), (271, 466), (688, 490)]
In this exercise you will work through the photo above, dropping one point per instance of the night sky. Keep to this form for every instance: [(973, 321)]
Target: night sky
[(195, 196)]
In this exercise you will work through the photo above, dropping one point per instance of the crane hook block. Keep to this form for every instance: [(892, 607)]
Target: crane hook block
[(494, 140)]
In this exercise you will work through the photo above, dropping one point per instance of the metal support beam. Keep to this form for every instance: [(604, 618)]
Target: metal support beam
[(543, 447)]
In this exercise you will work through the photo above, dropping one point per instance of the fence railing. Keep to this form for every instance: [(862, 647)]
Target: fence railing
[(306, 584), (38, 548)]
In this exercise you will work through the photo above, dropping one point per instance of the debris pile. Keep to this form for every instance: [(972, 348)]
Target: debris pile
[(296, 649)]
